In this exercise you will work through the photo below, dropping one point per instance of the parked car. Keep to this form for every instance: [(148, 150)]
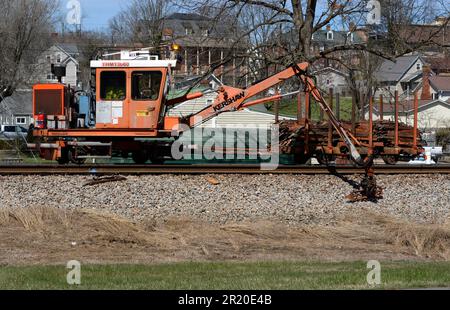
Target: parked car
[(11, 132)]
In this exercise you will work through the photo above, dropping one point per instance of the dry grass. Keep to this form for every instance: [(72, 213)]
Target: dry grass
[(35, 218), (45, 234), (424, 240)]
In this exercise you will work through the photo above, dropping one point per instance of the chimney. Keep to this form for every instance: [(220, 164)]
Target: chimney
[(426, 89), (352, 27), (328, 27)]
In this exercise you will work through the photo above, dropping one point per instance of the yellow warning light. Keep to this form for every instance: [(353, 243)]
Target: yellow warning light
[(175, 47)]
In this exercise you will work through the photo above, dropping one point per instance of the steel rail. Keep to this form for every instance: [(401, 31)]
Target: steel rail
[(212, 169)]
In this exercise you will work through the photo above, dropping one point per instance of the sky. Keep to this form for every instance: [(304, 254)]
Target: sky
[(96, 13)]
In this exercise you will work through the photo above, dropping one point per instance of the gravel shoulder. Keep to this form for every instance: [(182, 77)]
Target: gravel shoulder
[(295, 200)]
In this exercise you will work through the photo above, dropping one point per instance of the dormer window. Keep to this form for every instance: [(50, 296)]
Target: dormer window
[(330, 35), (58, 58)]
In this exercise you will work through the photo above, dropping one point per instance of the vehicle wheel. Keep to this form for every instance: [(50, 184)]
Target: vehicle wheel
[(64, 159), (324, 159), (302, 159), (76, 161), (157, 160), (390, 159), (155, 156), (140, 157)]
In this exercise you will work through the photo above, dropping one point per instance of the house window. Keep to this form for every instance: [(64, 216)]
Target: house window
[(330, 35), (188, 31), (418, 66), (21, 120), (49, 59), (49, 76), (58, 58), (205, 32)]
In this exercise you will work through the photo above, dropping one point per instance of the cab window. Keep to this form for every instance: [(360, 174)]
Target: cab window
[(113, 85), (146, 85)]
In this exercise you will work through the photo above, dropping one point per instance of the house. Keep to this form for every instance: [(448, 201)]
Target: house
[(324, 39), (240, 119), (438, 32), (17, 109), (404, 75), (434, 104), (432, 114), (332, 78), (440, 87), (327, 38), (60, 54), (202, 43)]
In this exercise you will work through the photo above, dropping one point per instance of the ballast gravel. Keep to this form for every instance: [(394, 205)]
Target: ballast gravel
[(292, 199)]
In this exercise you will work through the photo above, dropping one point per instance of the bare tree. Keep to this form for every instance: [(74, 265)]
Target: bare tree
[(25, 27), (281, 32), (141, 22)]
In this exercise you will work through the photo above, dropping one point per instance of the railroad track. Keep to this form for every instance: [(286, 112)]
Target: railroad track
[(212, 169)]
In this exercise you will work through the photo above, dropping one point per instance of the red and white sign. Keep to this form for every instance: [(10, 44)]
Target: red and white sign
[(115, 64)]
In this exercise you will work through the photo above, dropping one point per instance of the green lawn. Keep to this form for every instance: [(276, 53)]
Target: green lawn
[(288, 107), (237, 276)]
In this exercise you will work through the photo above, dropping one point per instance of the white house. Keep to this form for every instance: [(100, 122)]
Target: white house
[(331, 78), (440, 87), (403, 75), (17, 109), (60, 54), (432, 114), (239, 119)]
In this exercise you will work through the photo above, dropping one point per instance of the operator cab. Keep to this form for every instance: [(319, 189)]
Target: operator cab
[(130, 91)]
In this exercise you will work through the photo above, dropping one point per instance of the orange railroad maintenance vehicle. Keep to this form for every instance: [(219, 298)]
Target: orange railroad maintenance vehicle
[(126, 112)]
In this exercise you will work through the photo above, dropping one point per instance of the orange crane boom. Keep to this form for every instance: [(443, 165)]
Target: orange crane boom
[(234, 99)]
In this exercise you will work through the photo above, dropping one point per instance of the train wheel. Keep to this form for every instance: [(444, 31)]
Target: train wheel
[(324, 159), (390, 159), (302, 159), (140, 157), (76, 161), (157, 160), (155, 156), (64, 159)]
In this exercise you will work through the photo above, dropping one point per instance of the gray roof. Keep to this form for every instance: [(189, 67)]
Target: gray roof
[(329, 69), (339, 37), (69, 48), (390, 71), (20, 103), (320, 37), (219, 33)]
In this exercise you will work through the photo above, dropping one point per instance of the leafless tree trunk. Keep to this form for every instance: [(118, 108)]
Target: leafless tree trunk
[(25, 27)]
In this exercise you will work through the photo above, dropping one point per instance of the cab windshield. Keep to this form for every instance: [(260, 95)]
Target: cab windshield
[(146, 85)]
